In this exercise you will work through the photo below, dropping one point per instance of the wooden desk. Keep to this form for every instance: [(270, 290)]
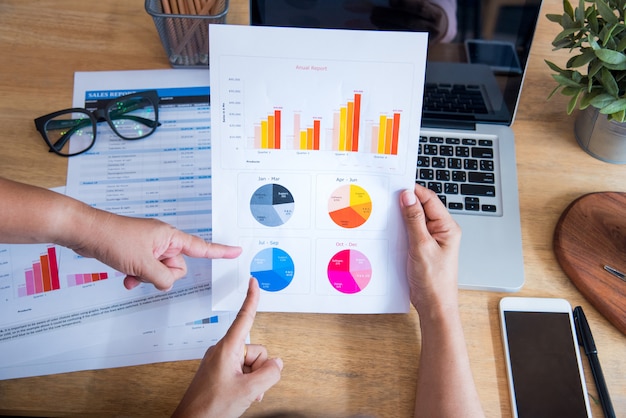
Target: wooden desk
[(335, 365)]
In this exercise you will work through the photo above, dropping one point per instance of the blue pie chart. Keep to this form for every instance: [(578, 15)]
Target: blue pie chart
[(272, 205), (273, 268)]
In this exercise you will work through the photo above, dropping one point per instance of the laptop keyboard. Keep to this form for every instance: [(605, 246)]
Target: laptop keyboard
[(454, 98), (463, 171)]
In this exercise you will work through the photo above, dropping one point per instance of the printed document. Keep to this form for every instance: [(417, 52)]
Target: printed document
[(315, 135), (63, 312)]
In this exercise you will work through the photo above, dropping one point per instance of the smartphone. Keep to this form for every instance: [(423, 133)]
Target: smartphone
[(500, 56), (543, 363)]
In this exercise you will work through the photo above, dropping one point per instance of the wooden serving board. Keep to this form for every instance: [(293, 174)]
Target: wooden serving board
[(590, 234)]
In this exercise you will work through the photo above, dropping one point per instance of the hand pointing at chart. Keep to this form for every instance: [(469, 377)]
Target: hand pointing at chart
[(232, 375), (146, 250)]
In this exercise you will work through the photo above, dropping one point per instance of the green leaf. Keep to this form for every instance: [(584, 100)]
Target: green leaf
[(567, 7), (610, 57), (615, 67), (618, 116), (564, 81), (553, 92), (609, 83), (594, 68), (565, 34), (616, 106), (606, 12), (580, 11), (592, 19), (554, 18), (601, 100), (593, 43), (588, 97), (621, 45), (572, 103), (583, 59), (570, 91), (553, 66)]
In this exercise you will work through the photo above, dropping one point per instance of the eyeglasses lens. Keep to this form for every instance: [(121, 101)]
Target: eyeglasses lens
[(70, 133), (134, 117)]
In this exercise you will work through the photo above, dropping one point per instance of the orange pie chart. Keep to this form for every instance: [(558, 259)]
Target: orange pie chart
[(350, 206)]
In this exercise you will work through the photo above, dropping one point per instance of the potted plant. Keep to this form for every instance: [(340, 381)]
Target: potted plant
[(595, 75)]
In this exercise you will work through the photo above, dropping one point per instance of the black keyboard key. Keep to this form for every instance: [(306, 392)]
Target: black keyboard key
[(438, 162), (455, 163), (455, 206), (470, 164), (443, 199), (451, 188), (453, 141), (435, 140), (478, 190), (421, 183), (446, 150), (435, 187), (462, 152), (486, 165), (423, 161), (426, 174), (485, 142), (468, 141), (442, 175), (430, 149), (488, 208), (472, 203), (481, 152), (459, 176), (423, 139), (480, 177)]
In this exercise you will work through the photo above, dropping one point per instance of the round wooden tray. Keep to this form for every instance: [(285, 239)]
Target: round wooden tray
[(591, 234)]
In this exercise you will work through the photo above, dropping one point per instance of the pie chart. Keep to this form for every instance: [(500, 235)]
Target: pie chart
[(273, 268), (349, 206), (272, 205), (349, 271)]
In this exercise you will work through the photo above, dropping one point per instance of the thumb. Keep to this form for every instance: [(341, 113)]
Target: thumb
[(265, 377), (414, 217)]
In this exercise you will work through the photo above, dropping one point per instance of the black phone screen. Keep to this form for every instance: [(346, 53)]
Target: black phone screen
[(546, 377)]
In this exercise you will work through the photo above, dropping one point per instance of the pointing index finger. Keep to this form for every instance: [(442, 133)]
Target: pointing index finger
[(242, 324)]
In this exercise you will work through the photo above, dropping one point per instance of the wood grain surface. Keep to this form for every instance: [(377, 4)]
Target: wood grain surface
[(335, 365), (590, 235)]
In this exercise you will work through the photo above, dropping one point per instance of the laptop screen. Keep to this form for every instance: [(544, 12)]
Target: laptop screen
[(489, 39)]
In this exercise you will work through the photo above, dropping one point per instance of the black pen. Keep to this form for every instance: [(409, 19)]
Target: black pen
[(585, 339)]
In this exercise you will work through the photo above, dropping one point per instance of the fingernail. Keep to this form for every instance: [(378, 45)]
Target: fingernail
[(409, 198)]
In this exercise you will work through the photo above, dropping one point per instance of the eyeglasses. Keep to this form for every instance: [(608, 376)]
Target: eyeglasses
[(71, 132)]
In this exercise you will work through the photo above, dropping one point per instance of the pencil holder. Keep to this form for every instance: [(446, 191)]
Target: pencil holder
[(183, 26)]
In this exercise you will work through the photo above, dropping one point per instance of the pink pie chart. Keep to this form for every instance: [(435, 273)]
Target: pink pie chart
[(349, 271)]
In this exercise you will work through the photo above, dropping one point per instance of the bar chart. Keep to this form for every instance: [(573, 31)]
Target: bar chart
[(343, 129), (42, 276), (267, 132), (85, 278), (385, 135)]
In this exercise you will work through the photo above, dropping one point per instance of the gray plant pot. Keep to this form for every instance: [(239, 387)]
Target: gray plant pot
[(602, 138)]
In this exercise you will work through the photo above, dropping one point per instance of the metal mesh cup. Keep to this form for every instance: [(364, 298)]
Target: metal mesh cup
[(183, 26)]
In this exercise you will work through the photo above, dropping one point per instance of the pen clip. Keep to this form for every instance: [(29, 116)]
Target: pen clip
[(615, 272), (583, 332)]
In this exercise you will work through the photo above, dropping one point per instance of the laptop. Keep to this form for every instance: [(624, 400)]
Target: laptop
[(477, 59)]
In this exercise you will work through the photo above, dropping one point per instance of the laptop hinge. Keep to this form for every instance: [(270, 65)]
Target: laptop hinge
[(448, 124)]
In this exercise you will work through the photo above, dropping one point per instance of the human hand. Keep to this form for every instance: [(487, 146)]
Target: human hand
[(232, 374), (434, 240), (146, 250)]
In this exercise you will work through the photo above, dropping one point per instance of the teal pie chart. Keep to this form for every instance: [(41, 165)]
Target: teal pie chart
[(272, 205), (273, 268)]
